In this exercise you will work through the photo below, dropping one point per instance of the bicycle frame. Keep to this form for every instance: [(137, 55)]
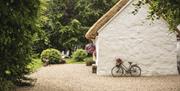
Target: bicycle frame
[(126, 68), (120, 68)]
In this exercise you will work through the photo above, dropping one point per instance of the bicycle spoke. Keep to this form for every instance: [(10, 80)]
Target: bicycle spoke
[(116, 71), (135, 71)]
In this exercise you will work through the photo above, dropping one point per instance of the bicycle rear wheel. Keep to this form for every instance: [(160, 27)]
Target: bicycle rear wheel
[(135, 71), (117, 71)]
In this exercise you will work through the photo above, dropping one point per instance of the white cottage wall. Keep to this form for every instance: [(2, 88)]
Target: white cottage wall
[(134, 38)]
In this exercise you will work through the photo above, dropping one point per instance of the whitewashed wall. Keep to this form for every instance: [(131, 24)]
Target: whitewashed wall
[(178, 55), (136, 39)]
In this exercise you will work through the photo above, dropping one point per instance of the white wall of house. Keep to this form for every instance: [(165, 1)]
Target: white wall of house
[(134, 38), (178, 50), (178, 55)]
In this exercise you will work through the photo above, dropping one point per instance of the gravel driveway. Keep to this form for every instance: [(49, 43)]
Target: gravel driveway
[(78, 77)]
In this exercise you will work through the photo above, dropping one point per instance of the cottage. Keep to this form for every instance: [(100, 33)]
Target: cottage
[(133, 38)]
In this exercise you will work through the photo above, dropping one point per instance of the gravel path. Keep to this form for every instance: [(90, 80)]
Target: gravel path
[(78, 77)]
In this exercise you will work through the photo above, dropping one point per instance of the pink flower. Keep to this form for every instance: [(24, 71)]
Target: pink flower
[(90, 48)]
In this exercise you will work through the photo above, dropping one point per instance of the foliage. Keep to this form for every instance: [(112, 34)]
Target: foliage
[(6, 85), (66, 22), (30, 26), (72, 61), (63, 61), (18, 26), (53, 55), (168, 9), (89, 61), (79, 55), (40, 39), (34, 65), (90, 48)]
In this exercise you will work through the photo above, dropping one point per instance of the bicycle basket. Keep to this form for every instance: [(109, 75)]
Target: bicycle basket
[(118, 61)]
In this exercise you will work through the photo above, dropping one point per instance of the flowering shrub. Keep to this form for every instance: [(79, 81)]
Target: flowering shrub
[(90, 48)]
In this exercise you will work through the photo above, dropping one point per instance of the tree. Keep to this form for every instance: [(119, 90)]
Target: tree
[(69, 20), (168, 9), (18, 26), (40, 38)]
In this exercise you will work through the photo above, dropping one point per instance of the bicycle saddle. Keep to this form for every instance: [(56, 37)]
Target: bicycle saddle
[(130, 63)]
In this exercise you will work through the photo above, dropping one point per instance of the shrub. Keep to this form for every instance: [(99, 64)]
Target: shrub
[(79, 55), (89, 61), (34, 65), (53, 55), (63, 61), (6, 85)]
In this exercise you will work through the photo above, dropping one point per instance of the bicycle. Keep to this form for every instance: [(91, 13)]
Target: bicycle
[(133, 69)]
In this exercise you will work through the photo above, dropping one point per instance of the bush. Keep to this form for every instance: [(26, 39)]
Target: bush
[(79, 55), (34, 65), (6, 85), (53, 55), (89, 61), (63, 61)]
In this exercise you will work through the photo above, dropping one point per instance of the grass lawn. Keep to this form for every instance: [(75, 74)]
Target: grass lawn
[(71, 61), (37, 63)]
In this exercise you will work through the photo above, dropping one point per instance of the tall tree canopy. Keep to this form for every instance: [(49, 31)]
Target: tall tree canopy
[(67, 21)]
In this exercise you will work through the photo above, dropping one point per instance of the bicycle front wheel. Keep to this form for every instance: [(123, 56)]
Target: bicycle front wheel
[(116, 71), (135, 71)]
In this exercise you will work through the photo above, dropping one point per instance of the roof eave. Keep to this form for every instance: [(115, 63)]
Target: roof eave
[(92, 32)]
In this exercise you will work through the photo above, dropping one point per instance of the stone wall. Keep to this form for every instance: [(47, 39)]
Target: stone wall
[(134, 38)]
